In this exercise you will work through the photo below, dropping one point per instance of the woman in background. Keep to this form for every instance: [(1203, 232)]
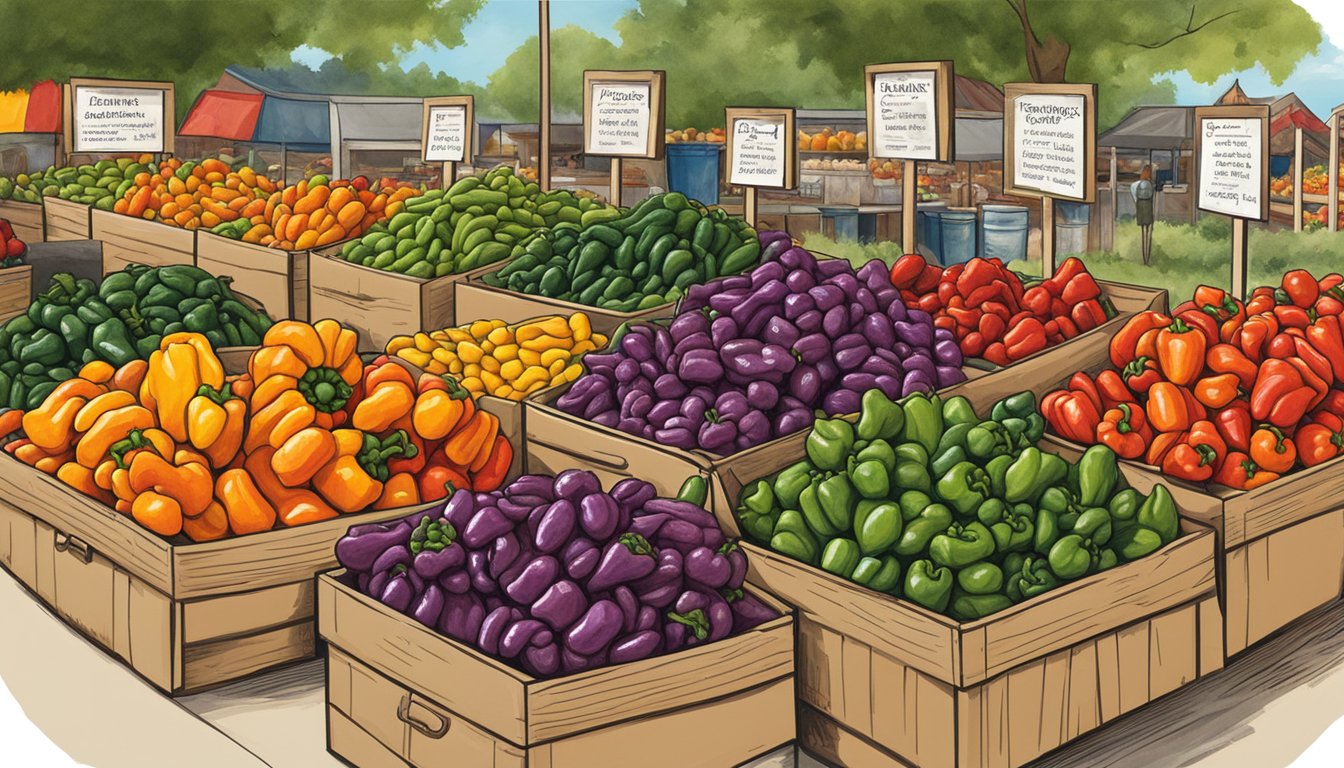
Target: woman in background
[(1142, 191)]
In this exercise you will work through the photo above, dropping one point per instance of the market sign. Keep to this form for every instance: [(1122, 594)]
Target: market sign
[(623, 113), (106, 116), (762, 147), (1232, 151), (910, 110), (446, 129), (1050, 137)]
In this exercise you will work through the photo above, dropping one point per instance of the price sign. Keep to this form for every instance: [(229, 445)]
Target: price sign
[(762, 148), (623, 113), (106, 116), (1233, 152), (910, 110), (447, 129), (1050, 136)]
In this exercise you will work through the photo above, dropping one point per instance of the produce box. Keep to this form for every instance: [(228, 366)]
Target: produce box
[(129, 240), (997, 692), (25, 218), (66, 220), (377, 303), (16, 290), (475, 299), (277, 278), (399, 693), (185, 616)]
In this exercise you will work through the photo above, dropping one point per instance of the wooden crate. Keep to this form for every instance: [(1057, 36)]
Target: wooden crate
[(25, 218), (66, 220), (400, 693), (276, 278), (16, 290), (477, 300), (129, 240), (377, 303), (886, 682)]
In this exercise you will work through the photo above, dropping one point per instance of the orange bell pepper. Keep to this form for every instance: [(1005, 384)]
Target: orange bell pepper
[(189, 485), (350, 482), (1125, 430), (293, 506), (1319, 441), (1272, 450), (399, 491), (465, 446), (1124, 346), (245, 506), (1141, 374), (1162, 444), (1180, 352), (389, 395), (1112, 389), (1255, 333), (1167, 409), (1218, 390), (491, 474), (301, 456), (1226, 358), (1239, 471)]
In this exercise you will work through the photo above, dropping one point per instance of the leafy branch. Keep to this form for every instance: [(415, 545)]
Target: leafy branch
[(1190, 29)]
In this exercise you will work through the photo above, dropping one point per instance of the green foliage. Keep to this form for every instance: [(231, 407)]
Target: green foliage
[(857, 254), (513, 87)]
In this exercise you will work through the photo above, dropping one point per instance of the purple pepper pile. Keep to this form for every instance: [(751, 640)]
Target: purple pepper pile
[(750, 358), (555, 576)]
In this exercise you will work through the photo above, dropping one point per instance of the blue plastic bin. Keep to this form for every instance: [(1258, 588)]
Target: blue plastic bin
[(1071, 220), (845, 220), (693, 170), (1003, 232), (930, 233), (956, 229)]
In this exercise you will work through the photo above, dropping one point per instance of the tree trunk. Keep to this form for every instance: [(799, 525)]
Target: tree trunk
[(1047, 60)]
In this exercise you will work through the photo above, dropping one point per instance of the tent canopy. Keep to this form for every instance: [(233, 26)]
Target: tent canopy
[(1162, 128)]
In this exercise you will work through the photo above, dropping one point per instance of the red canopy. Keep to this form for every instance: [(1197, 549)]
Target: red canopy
[(44, 109), (1297, 118), (223, 115)]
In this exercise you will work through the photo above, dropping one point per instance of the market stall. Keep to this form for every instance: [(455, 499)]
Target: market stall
[(30, 140)]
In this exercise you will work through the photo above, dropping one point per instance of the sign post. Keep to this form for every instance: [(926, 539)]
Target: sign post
[(544, 102), (762, 151), (114, 116), (446, 133), (623, 116), (1232, 169), (910, 118), (1049, 149), (1332, 209)]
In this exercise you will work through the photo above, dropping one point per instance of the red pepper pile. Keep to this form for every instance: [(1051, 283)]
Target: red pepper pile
[(992, 314), (11, 247), (1221, 390)]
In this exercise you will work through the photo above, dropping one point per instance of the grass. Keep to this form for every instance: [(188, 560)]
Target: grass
[(857, 254)]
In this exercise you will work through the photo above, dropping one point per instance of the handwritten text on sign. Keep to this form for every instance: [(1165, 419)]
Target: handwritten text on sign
[(619, 121), (759, 149), (1230, 166), (446, 137), (118, 120), (1049, 142), (905, 115)]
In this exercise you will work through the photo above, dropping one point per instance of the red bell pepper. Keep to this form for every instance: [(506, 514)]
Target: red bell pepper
[(945, 322), (1082, 383), (1124, 345), (1197, 455), (1317, 362), (1292, 316), (1238, 471), (1037, 300), (946, 290), (1202, 322), (1088, 315), (1255, 334), (1072, 415), (978, 273), (1329, 304), (1332, 280), (905, 271), (1327, 336), (1124, 430), (1319, 441), (996, 290), (1112, 389), (1162, 444), (1301, 287), (930, 303), (1320, 388), (928, 279), (1080, 288), (1025, 338), (966, 318), (1141, 374), (1217, 390), (1280, 395), (1066, 327), (991, 326), (1219, 303), (1262, 300), (973, 344), (1234, 424), (997, 354)]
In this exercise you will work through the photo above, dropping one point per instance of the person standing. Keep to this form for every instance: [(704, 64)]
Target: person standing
[(1142, 192)]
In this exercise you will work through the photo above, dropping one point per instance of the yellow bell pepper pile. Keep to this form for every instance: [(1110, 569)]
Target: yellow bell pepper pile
[(491, 357)]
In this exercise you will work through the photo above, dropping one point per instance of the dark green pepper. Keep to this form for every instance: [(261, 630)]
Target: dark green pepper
[(1021, 481), (1031, 579), (980, 578), (879, 417), (829, 443), (961, 545), (93, 312), (121, 300), (991, 511), (45, 348), (928, 585), (116, 282), (871, 479), (840, 557), (144, 281), (923, 420), (52, 314), (1015, 531), (792, 537), (1073, 557), (964, 487), (953, 437), (1020, 405), (1124, 509), (790, 482), (38, 393), (1097, 476), (957, 410), (231, 334), (837, 498), (879, 574), (947, 459), (112, 341), (146, 346), (757, 513), (76, 336), (184, 278), (161, 295), (1134, 542), (968, 607), (1160, 514), (201, 319), (986, 440), (922, 527), (877, 525)]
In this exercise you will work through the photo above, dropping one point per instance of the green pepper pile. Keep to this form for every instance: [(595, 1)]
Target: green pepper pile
[(76, 322), (100, 184), (924, 500), (643, 258)]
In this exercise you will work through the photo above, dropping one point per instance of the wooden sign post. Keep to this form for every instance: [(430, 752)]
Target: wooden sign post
[(762, 151), (1050, 149), (118, 116), (910, 118), (1332, 205), (1232, 172), (544, 102), (446, 133), (623, 116)]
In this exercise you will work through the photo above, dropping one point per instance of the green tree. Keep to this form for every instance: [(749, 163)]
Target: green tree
[(513, 88)]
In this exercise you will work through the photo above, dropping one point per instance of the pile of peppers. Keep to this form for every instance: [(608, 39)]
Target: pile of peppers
[(922, 499), (556, 576), (1219, 390)]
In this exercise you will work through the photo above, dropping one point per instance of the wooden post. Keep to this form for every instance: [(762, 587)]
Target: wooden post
[(1333, 203), (614, 197), (1297, 179), (1047, 236), (749, 205), (544, 121), (1239, 258), (1109, 239), (449, 175), (909, 206)]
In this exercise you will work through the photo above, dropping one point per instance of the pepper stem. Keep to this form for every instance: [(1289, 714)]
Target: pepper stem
[(696, 621)]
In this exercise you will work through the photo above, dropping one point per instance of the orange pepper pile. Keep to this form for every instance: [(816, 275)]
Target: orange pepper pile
[(1220, 390), (206, 195), (309, 432), (311, 215)]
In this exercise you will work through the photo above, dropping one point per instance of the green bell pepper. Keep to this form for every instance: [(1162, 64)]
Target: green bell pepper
[(961, 545), (112, 342), (790, 482), (52, 314), (964, 487), (923, 421), (1047, 530), (93, 312), (1097, 476), (968, 607), (75, 333), (1021, 405), (1074, 556), (1093, 524), (809, 504), (840, 557), (793, 538), (879, 574), (947, 460), (879, 417), (958, 410), (997, 470), (1134, 542), (878, 450), (202, 319), (44, 348), (829, 443), (980, 578), (757, 513), (921, 527), (986, 440), (911, 476), (1015, 530), (116, 282), (1031, 579), (871, 479), (837, 498), (1160, 514), (1022, 479), (991, 511), (877, 525), (913, 452), (928, 585), (954, 435), (1124, 507)]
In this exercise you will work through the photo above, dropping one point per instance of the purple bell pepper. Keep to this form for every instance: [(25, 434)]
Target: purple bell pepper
[(492, 629), (534, 579), (627, 558), (455, 582), (708, 568), (661, 587), (462, 617), (543, 661), (430, 564), (701, 366), (555, 527), (574, 484), (523, 633), (561, 605), (398, 593), (749, 612), (429, 607), (599, 515), (363, 544), (640, 645), (597, 628), (487, 524), (688, 324)]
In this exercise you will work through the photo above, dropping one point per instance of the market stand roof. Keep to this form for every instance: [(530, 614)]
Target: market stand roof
[(37, 110)]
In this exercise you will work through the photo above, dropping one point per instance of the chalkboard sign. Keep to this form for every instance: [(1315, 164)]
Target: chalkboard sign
[(623, 113), (1050, 138), (910, 110), (446, 129), (110, 116), (762, 147)]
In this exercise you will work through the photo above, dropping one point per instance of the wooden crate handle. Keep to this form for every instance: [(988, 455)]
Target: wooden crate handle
[(75, 545), (404, 715), (609, 461)]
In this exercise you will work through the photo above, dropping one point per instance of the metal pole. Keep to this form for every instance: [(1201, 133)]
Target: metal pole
[(544, 123)]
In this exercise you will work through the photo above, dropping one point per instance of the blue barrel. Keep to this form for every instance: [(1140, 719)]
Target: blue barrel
[(845, 220), (693, 170), (1071, 220), (957, 232), (1003, 232), (930, 233)]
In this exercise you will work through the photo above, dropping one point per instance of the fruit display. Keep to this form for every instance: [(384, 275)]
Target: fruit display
[(923, 500), (749, 358), (553, 575), (993, 314), (1315, 181), (75, 322), (478, 221), (713, 136), (635, 258), (1220, 391), (99, 184), (833, 164), (188, 194), (12, 249), (491, 357), (830, 140), (313, 213), (308, 433)]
